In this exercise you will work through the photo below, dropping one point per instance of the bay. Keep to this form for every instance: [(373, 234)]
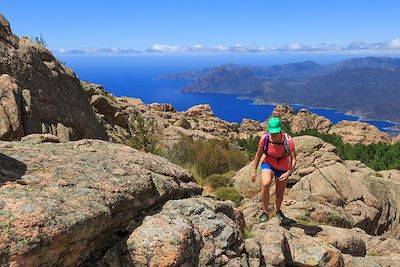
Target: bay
[(133, 76)]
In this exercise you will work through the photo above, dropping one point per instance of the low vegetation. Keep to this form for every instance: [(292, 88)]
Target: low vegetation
[(247, 233), (220, 180), (212, 163), (143, 134), (249, 145), (207, 157), (228, 193), (40, 40)]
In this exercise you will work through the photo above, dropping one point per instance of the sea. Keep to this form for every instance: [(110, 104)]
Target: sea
[(135, 76)]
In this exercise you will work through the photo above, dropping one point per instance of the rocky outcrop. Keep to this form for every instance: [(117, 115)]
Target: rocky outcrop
[(68, 203), (39, 94), (203, 110), (248, 125), (355, 132), (112, 112), (116, 115), (376, 261), (325, 189), (161, 107), (355, 195), (302, 119), (325, 234), (279, 246), (189, 232)]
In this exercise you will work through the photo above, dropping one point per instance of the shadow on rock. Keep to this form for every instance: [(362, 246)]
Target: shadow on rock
[(10, 169), (310, 230)]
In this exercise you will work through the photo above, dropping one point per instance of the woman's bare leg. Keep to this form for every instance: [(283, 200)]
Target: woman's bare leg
[(280, 189), (266, 179)]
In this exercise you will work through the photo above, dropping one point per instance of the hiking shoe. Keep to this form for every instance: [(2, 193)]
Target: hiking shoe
[(282, 218), (263, 218)]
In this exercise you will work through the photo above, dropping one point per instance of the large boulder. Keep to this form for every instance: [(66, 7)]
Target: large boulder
[(279, 246), (305, 119), (200, 110), (312, 153), (372, 261), (188, 232), (38, 93), (66, 204), (248, 125), (242, 181)]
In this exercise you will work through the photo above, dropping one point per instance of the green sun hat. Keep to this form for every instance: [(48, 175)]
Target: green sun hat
[(274, 125)]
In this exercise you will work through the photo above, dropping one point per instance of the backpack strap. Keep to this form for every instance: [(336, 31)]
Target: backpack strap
[(266, 142), (286, 143)]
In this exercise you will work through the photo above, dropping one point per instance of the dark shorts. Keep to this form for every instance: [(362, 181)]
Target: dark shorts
[(278, 173)]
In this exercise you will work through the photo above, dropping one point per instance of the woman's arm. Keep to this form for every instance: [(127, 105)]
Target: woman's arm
[(292, 156), (256, 160)]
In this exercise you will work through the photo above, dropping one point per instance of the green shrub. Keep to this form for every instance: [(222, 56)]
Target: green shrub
[(207, 156), (250, 145), (40, 40), (143, 134), (247, 233), (192, 169), (219, 180), (228, 193)]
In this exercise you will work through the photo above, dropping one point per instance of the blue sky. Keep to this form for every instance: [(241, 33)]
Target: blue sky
[(208, 26)]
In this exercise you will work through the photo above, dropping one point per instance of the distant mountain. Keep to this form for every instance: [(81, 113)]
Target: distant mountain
[(197, 74), (302, 70), (368, 86), (310, 69), (370, 92), (226, 79), (389, 63)]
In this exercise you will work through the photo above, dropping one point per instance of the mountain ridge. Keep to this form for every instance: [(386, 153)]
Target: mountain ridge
[(365, 86)]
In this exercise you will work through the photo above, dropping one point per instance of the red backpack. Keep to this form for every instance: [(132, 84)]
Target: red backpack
[(285, 144)]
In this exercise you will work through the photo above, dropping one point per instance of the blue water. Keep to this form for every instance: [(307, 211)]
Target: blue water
[(134, 76)]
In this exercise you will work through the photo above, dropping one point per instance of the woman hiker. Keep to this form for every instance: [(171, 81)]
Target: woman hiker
[(279, 163)]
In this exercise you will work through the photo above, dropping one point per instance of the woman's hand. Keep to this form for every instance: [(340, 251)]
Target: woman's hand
[(284, 176), (253, 176)]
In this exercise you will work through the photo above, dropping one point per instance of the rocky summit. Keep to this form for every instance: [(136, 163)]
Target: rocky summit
[(39, 94)]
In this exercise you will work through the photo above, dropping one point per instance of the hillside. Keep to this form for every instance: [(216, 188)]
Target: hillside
[(367, 86)]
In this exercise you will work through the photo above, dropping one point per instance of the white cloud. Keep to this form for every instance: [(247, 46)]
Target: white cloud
[(395, 43), (392, 45), (164, 48), (295, 46), (95, 51)]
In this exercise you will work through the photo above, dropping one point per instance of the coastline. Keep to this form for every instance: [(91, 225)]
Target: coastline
[(393, 129), (359, 115)]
